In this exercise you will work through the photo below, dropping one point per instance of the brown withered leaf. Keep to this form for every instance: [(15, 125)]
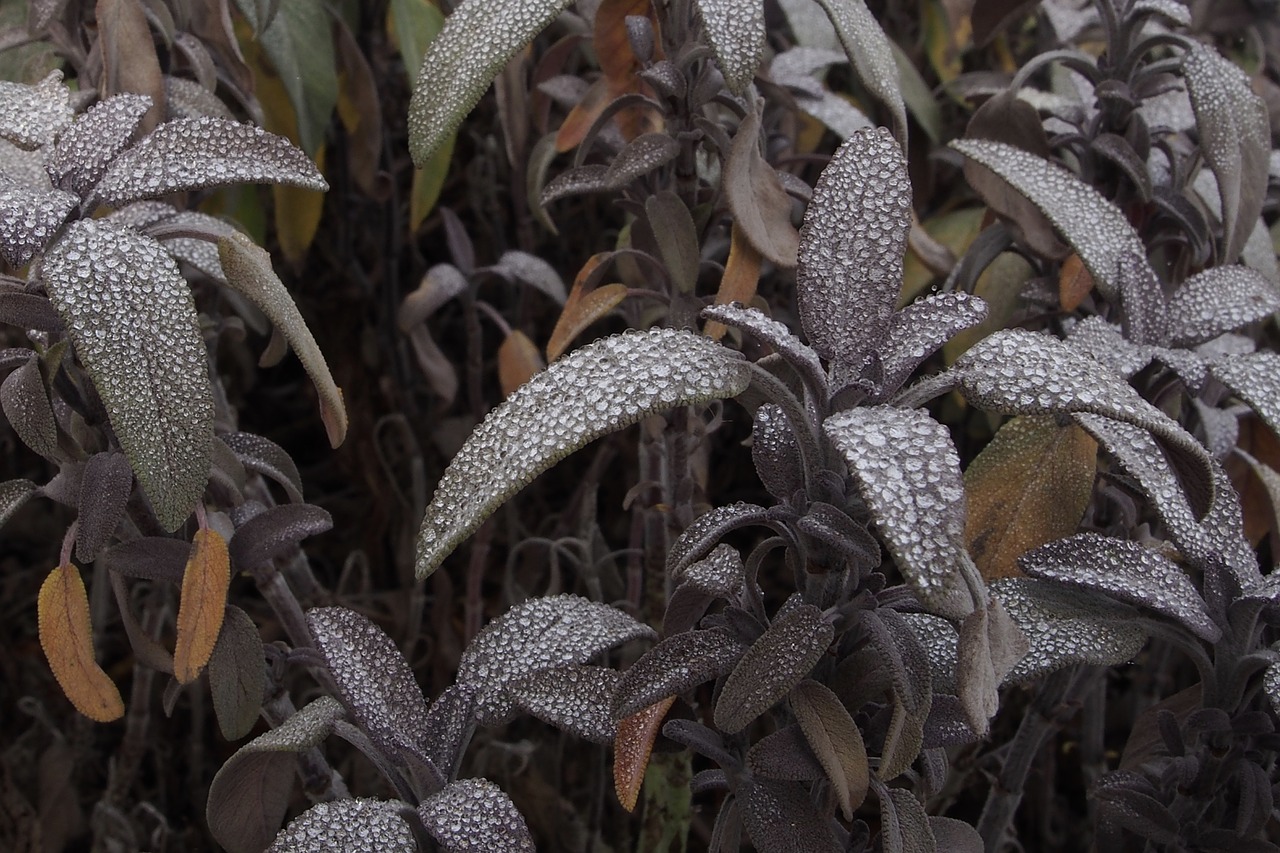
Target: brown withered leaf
[(835, 740), (129, 60), (1264, 448), (1029, 486), (1074, 282), (741, 275), (202, 605), (582, 309), (518, 360), (760, 205), (67, 639), (632, 748)]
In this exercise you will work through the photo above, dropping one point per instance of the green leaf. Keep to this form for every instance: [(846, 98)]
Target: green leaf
[(133, 323), (413, 25), (597, 389)]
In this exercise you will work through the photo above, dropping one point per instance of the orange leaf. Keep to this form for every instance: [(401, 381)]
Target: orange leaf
[(631, 750), (67, 639), (202, 605), (741, 275), (1029, 486), (518, 360), (581, 310), (613, 49), (1074, 283)]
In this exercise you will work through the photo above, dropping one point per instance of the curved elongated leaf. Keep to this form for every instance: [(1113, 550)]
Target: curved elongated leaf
[(477, 41), (597, 389), (67, 639), (267, 458), (719, 576), (29, 218), (248, 270), (475, 815), (634, 745), (133, 323), (25, 403), (852, 246), (237, 674), (372, 677), (1127, 572), (105, 487), (679, 663), (1219, 300), (917, 331), (707, 529), (835, 740), (736, 32), (785, 754), (776, 453), (347, 826), (775, 334), (580, 312), (82, 152), (780, 816), (30, 116), (760, 205), (26, 311), (274, 531), (1235, 137), (1095, 228), (202, 605), (906, 469), (940, 641), (191, 153), (539, 634), (574, 698), (1254, 378), (871, 55), (13, 494)]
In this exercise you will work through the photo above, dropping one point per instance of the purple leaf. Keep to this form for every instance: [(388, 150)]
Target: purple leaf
[(574, 698), (273, 532), (779, 816), (918, 330), (28, 220), (1219, 300), (105, 487), (475, 816), (678, 663), (84, 150), (347, 826), (30, 116)]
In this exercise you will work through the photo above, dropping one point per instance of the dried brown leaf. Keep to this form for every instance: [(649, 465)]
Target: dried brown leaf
[(202, 605), (67, 639), (632, 748)]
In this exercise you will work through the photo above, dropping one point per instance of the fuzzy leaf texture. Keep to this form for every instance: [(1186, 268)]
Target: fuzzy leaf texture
[(347, 826), (475, 816), (133, 323), (679, 663), (632, 748), (574, 698), (477, 41), (835, 740), (597, 389), (1219, 300), (735, 29), (237, 674), (871, 55), (66, 636), (30, 116), (202, 605), (105, 486), (84, 150)]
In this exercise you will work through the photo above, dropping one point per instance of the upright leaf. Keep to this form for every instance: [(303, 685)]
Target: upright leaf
[(736, 32), (67, 639), (741, 275), (202, 605), (30, 116), (475, 816), (760, 205), (347, 826), (574, 698), (835, 740), (299, 43), (780, 816), (129, 59), (677, 237), (25, 403), (84, 150), (29, 218), (133, 323), (237, 674), (679, 663), (871, 55)]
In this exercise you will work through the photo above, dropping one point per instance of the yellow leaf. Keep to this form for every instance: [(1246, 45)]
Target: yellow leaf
[(741, 275), (202, 605), (67, 639), (1029, 486), (518, 360), (632, 747)]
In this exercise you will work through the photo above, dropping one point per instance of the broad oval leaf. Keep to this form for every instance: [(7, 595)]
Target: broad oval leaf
[(780, 816), (852, 246), (785, 754), (906, 468), (776, 662), (66, 636), (347, 826), (1218, 300), (835, 740), (133, 323), (25, 403), (248, 270), (871, 55), (735, 30), (1254, 378), (599, 388), (679, 663), (634, 744), (105, 487), (574, 698), (237, 674), (83, 151), (776, 453), (475, 815), (477, 41), (274, 531), (30, 116), (29, 218), (1095, 228), (202, 604), (677, 237)]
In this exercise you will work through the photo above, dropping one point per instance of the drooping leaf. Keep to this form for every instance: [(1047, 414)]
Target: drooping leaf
[(580, 312), (1254, 378), (1095, 228), (597, 389), (760, 205), (156, 558), (990, 645), (24, 399), (67, 639), (679, 663), (779, 816), (852, 246), (13, 494), (133, 323), (30, 116), (574, 698), (707, 530), (835, 740), (1029, 486), (441, 283), (539, 634), (736, 33), (475, 816), (249, 272), (1218, 300), (477, 41), (718, 576), (907, 470), (347, 826), (634, 744), (203, 602), (83, 152), (783, 655), (237, 674), (274, 531), (267, 458), (412, 25), (871, 55), (775, 334), (29, 218)]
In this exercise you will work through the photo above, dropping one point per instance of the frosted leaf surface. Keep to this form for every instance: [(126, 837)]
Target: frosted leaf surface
[(347, 826), (906, 469), (22, 168), (372, 677), (707, 529), (268, 458), (1106, 344), (576, 699), (679, 663), (780, 815), (450, 720), (597, 389), (105, 487), (133, 323), (919, 329), (720, 575), (475, 816), (774, 333), (1065, 627), (776, 453), (1171, 9), (30, 116), (188, 154), (841, 117), (28, 220), (869, 52), (305, 729), (638, 158), (1254, 378), (796, 67), (852, 245), (539, 634), (940, 640), (83, 151), (1094, 227), (477, 41), (1125, 571), (185, 98), (577, 181), (141, 214), (25, 403), (13, 494), (735, 30), (1219, 300)]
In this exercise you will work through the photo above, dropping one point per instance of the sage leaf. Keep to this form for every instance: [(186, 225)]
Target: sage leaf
[(24, 399), (574, 698), (835, 740), (355, 825), (736, 31), (237, 674), (85, 149), (473, 816), (678, 663), (1219, 300), (29, 218), (13, 494), (871, 55), (30, 116)]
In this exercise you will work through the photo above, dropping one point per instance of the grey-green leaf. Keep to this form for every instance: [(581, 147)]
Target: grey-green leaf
[(475, 816), (30, 116), (597, 389), (347, 826), (237, 674), (25, 403), (477, 41), (871, 55), (736, 32), (679, 663), (1219, 300), (299, 42), (133, 323)]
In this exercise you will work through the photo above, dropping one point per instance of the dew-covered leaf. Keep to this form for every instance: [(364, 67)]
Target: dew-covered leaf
[(474, 814), (189, 154), (267, 458), (66, 636), (597, 389), (780, 816), (1127, 572), (1029, 486), (940, 640), (678, 663), (574, 698), (1095, 228), (1254, 378), (906, 469), (782, 656), (237, 674), (30, 116), (835, 740), (785, 754), (84, 150), (249, 272), (852, 246), (1219, 300), (274, 531), (477, 41), (776, 335), (632, 748), (1106, 344), (13, 494), (202, 604), (539, 634), (1235, 137), (347, 826), (638, 158), (1066, 627), (700, 537), (871, 55), (918, 330), (29, 218), (736, 32), (133, 323), (760, 205), (250, 794), (1271, 684), (776, 453), (24, 399), (718, 576)]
